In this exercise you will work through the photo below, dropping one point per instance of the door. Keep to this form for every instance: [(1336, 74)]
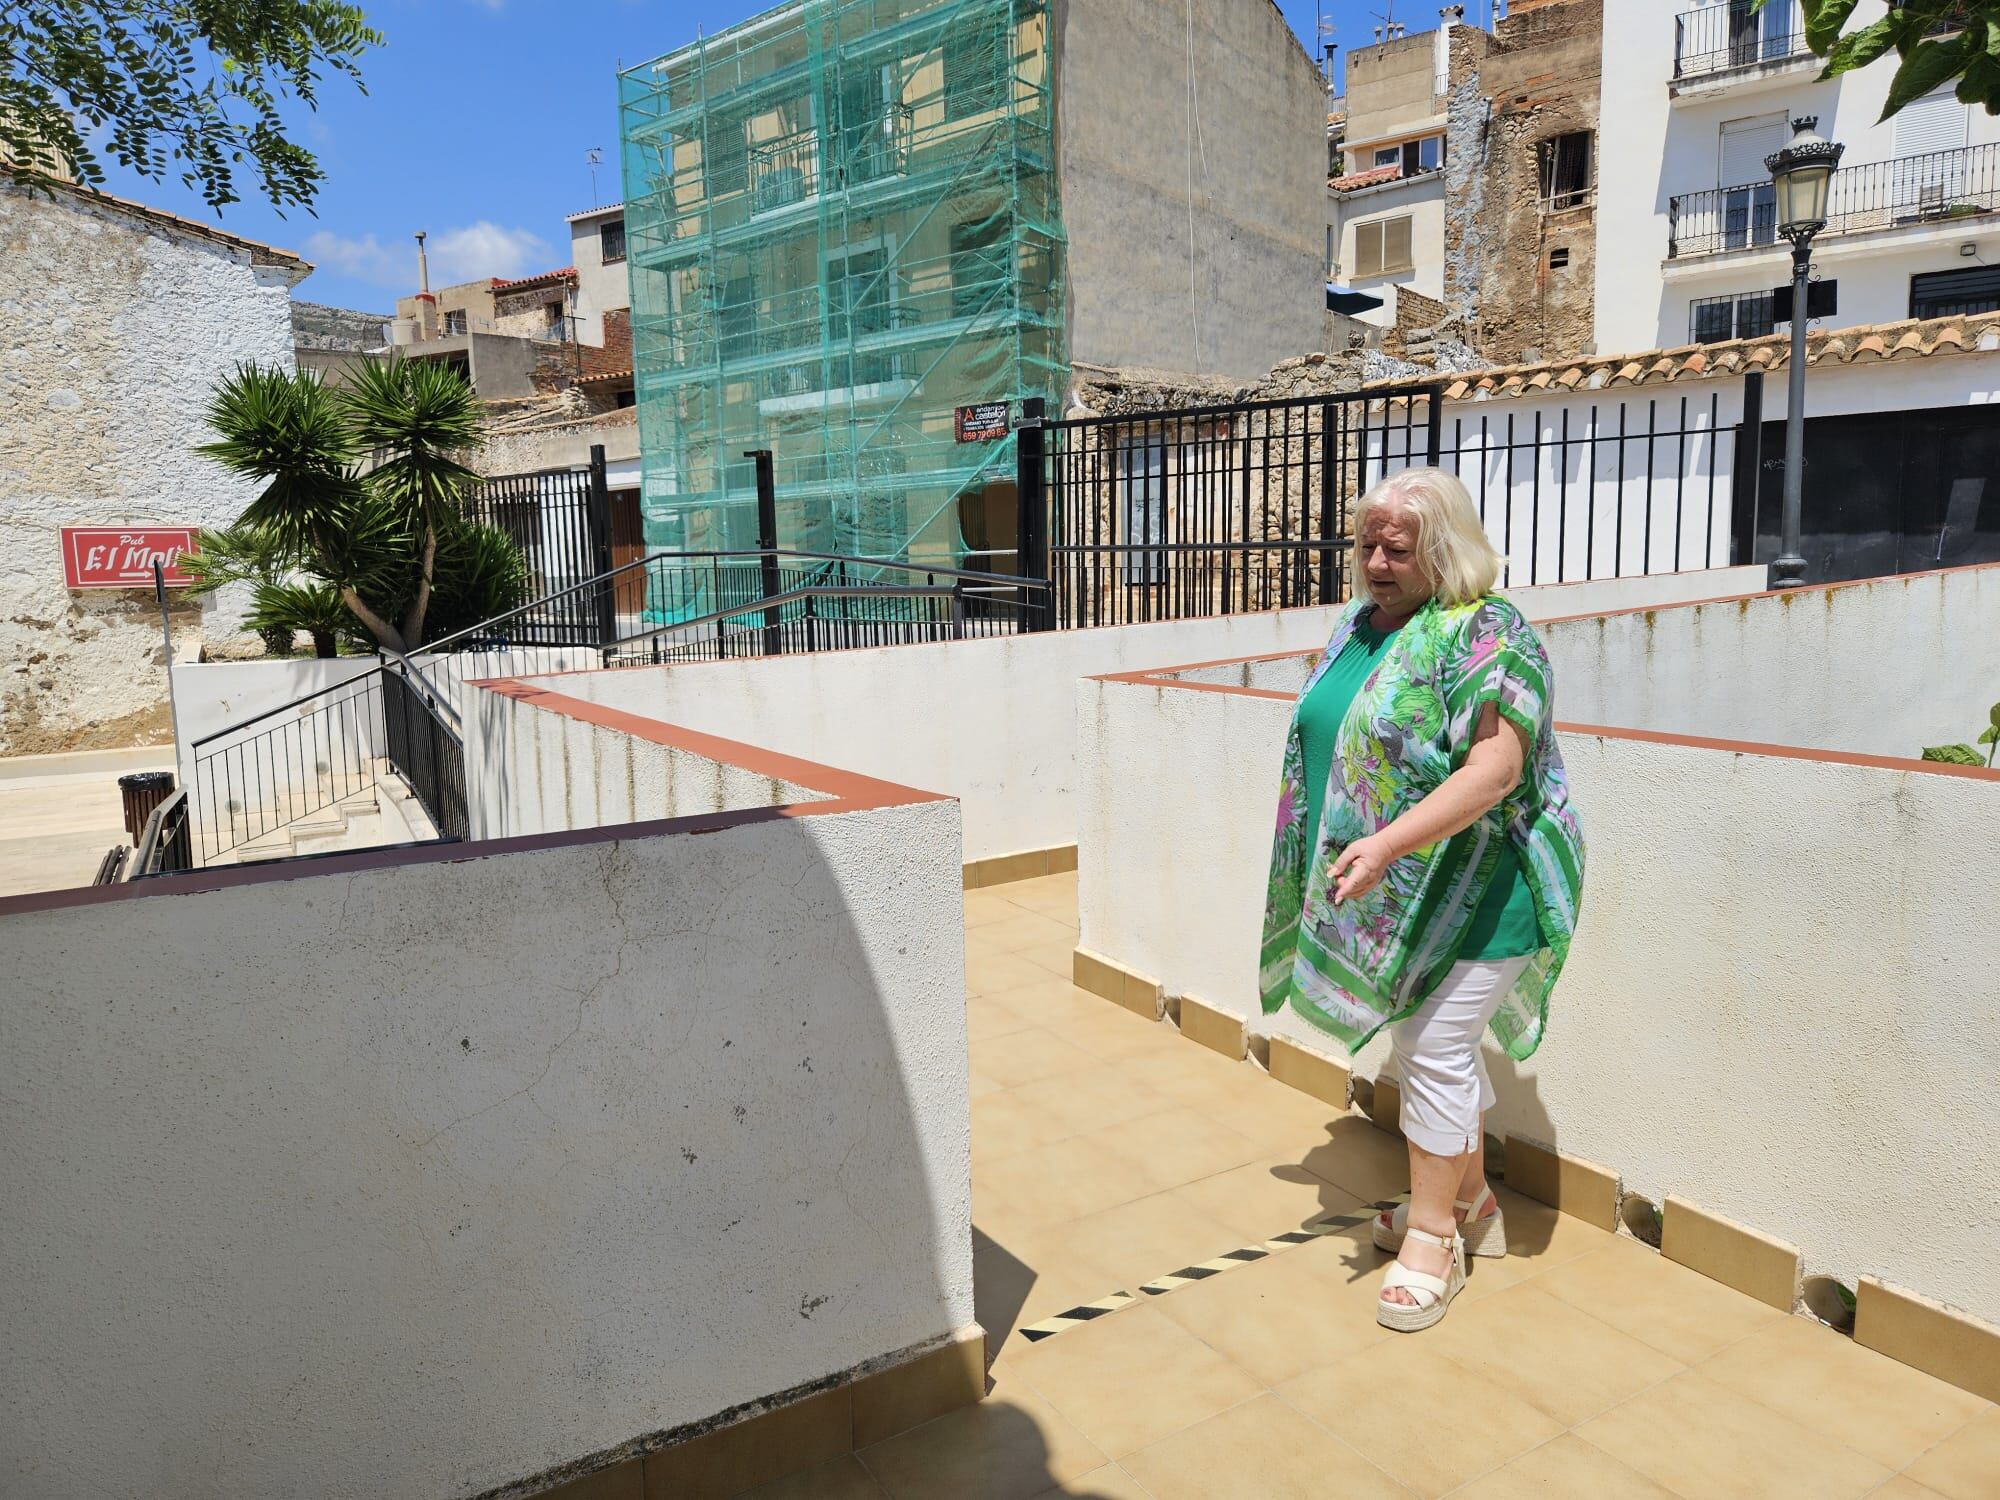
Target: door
[(1749, 201), (628, 545)]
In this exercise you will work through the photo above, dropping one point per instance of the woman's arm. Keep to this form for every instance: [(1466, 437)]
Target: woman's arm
[(1492, 769)]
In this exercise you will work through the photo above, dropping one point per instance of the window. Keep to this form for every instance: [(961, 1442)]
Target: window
[(978, 66), (1749, 202), (860, 302), (611, 241), (1382, 246), (1141, 467), (728, 148), (1565, 170), (979, 266), (627, 398), (1745, 315), (1946, 294), (1423, 155), (454, 322), (1388, 156), (1559, 257), (736, 319), (554, 318)]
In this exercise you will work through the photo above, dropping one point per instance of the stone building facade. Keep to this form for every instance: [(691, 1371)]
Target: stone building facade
[(121, 320), (1521, 180)]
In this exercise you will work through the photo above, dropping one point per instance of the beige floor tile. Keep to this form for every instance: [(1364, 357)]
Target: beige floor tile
[(1707, 1441), (1094, 1099), (1023, 1056), (1003, 1124), (1051, 895), (1187, 1072), (1566, 1469), (1842, 1391), (1963, 1465), (1276, 1118), (1132, 1379), (978, 1085), (1659, 1302), (1539, 1239), (1549, 1354), (1293, 1312), (1902, 1487), (1261, 1450), (1108, 1483), (1054, 1003), (1020, 1276), (1177, 1145), (838, 1479), (1029, 930), (1149, 1237), (1266, 1197), (1353, 1154), (1115, 1034), (985, 907), (1056, 1183), (1010, 1446), (1425, 1421), (996, 973), (988, 1016)]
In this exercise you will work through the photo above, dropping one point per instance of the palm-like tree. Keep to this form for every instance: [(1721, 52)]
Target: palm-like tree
[(360, 484)]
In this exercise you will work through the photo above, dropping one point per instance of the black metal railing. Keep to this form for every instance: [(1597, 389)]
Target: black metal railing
[(1213, 510), (567, 531), (1722, 38), (166, 844), (1934, 188), (252, 779), (421, 740)]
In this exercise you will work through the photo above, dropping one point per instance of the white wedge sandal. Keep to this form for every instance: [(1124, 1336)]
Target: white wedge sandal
[(1487, 1236), (1433, 1294)]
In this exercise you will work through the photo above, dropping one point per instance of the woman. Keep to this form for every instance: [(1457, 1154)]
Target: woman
[(1427, 863)]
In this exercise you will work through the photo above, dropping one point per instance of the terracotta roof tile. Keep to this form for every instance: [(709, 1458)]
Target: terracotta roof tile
[(567, 273), (1368, 178), (260, 252)]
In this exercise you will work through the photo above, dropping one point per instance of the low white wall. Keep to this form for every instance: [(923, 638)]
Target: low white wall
[(532, 769), (1774, 949), (1881, 667), (993, 722), (420, 1178)]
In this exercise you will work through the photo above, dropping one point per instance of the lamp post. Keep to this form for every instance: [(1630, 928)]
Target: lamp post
[(1802, 173)]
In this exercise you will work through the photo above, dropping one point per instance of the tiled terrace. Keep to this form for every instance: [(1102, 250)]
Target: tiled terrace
[(1108, 1151)]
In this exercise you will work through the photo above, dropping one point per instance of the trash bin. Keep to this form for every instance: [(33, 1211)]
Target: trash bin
[(143, 791)]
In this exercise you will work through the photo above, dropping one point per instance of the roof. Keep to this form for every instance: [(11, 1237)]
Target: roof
[(1867, 343), (591, 213), (1368, 178), (521, 283), (261, 254), (604, 375)]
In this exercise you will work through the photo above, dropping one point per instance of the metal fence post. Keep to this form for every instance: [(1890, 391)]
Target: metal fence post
[(1329, 527), (767, 542), (1031, 514), (1747, 471), (1434, 426), (598, 509)]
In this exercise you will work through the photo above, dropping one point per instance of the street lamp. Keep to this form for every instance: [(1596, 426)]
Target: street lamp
[(1802, 173)]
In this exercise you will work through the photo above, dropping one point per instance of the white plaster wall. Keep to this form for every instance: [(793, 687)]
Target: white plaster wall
[(991, 722), (1881, 667), (1652, 148), (121, 330), (1776, 950), (1422, 199), (531, 769), (465, 1168), (599, 287)]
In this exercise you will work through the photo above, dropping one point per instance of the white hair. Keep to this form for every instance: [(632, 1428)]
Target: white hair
[(1453, 551)]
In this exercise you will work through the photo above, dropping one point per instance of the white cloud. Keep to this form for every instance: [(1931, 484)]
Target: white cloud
[(462, 254)]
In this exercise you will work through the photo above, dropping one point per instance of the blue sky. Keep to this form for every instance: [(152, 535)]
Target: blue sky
[(475, 128)]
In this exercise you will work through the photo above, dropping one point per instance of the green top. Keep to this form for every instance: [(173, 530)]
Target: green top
[(1503, 924)]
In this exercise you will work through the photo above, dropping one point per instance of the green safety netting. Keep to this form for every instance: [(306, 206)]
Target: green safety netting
[(842, 224)]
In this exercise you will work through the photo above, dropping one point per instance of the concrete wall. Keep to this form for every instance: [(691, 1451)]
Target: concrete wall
[(1391, 91), (559, 446), (600, 285), (1423, 199), (990, 722), (478, 1163), (120, 327), (1769, 951), (1656, 146), (1192, 192)]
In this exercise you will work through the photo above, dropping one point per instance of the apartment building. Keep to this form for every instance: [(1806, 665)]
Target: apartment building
[(1691, 251), (848, 219)]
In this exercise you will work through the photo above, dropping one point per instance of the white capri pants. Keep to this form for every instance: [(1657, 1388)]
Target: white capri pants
[(1443, 1077)]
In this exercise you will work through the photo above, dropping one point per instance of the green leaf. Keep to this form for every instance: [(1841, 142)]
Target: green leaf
[(1954, 755), (1993, 716), (1925, 67), (1862, 48), (1824, 20), (1990, 736)]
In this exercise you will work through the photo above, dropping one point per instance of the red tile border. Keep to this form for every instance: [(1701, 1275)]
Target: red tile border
[(845, 792)]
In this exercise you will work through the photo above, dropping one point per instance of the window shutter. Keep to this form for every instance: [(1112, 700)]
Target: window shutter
[(1745, 144), (1368, 249), (1396, 243), (1936, 122)]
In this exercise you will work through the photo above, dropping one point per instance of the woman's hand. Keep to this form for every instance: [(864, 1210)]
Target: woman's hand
[(1360, 867)]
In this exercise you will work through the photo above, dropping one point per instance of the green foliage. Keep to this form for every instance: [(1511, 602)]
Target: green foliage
[(314, 607), (1934, 41), (364, 488), (1965, 755), (197, 81), (480, 574)]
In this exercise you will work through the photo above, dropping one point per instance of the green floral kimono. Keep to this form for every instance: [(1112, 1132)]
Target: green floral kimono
[(1353, 968)]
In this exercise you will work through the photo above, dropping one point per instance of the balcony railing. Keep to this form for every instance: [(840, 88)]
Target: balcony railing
[(1723, 38), (1909, 190)]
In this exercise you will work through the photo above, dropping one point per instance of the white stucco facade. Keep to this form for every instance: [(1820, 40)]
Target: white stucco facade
[(1421, 201), (468, 1164), (120, 323), (1657, 144), (601, 285), (1763, 954)]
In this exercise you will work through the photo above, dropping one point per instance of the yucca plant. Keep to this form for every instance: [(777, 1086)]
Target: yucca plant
[(360, 485), (241, 554), (315, 608)]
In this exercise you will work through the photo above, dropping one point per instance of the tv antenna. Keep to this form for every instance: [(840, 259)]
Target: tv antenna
[(1387, 31), (593, 156), (1323, 30)]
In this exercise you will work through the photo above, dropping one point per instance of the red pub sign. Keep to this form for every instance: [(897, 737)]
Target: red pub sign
[(121, 557)]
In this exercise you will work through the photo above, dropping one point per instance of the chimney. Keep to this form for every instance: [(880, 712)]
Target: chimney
[(423, 268)]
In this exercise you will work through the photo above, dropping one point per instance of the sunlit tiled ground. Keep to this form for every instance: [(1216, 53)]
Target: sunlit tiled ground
[(57, 824), (1108, 1151)]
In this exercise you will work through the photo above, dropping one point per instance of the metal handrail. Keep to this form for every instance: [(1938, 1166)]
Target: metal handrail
[(411, 672), (794, 596), (152, 845), (303, 698)]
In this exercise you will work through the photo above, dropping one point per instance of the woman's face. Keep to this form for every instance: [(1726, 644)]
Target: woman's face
[(1389, 561)]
